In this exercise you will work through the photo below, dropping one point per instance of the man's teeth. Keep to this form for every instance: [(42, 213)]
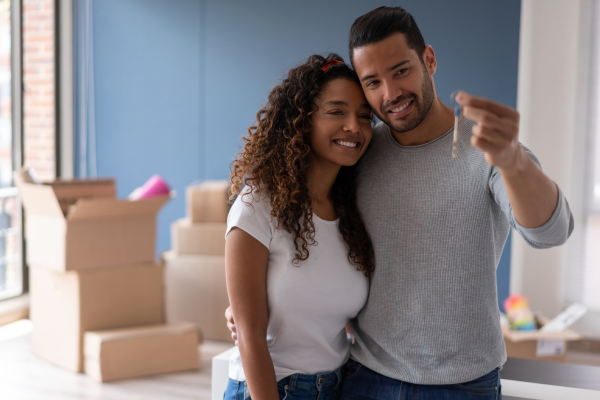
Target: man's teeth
[(347, 144), (395, 110)]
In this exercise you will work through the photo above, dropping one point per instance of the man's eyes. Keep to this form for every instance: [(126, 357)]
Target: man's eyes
[(374, 83)]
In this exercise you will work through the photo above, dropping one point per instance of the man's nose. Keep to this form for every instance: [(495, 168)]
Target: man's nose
[(390, 91)]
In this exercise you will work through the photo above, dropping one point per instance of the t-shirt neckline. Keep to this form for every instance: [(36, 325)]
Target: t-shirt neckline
[(324, 220)]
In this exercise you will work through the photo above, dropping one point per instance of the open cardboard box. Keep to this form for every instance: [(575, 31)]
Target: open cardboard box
[(538, 345), (93, 232)]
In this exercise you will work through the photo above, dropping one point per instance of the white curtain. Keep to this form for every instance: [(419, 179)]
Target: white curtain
[(85, 122)]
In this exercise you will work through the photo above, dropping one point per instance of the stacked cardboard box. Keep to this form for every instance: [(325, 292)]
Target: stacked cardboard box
[(92, 267), (195, 268)]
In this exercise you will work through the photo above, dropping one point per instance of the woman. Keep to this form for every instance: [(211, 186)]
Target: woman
[(297, 254)]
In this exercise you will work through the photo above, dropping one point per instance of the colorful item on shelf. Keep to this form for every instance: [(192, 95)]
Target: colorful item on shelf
[(519, 315), (155, 186)]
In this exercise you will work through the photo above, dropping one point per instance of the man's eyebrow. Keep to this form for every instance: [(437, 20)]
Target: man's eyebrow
[(389, 69)]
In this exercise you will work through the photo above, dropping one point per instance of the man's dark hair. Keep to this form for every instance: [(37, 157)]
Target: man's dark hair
[(382, 23)]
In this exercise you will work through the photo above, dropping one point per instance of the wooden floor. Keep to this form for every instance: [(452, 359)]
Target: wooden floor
[(24, 376)]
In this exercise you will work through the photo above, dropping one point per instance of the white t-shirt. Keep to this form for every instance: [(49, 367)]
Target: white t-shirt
[(309, 304)]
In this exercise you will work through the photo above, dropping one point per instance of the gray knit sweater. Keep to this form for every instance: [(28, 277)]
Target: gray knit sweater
[(438, 227)]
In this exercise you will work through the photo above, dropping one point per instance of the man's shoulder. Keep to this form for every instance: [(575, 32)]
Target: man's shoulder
[(380, 129), (379, 133)]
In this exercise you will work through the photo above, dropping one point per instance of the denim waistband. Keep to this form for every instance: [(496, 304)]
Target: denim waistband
[(318, 380)]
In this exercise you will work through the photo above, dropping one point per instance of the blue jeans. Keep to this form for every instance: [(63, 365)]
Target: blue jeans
[(295, 387), (359, 382)]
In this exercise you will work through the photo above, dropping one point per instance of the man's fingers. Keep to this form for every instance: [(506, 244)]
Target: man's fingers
[(504, 126), (466, 100), (484, 145), (231, 327), (491, 135), (229, 315)]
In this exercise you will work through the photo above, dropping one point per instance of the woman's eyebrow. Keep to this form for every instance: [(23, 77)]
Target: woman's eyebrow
[(335, 103)]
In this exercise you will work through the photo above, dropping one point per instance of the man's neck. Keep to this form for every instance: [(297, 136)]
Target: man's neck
[(438, 121)]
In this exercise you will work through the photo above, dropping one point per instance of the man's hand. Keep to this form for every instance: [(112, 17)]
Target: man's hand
[(496, 132), (231, 324), (532, 195)]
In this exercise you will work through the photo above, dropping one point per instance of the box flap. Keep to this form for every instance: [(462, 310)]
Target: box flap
[(111, 208), (75, 182), (40, 199)]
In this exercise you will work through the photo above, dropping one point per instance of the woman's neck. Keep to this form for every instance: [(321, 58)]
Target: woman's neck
[(321, 178)]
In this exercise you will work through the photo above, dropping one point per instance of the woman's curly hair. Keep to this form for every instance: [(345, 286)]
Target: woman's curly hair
[(276, 160)]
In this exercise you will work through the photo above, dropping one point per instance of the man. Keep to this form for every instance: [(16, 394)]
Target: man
[(431, 326)]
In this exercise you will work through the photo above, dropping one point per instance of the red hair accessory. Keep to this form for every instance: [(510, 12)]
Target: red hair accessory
[(328, 65)]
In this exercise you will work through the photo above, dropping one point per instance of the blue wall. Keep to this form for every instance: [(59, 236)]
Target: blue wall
[(179, 81)]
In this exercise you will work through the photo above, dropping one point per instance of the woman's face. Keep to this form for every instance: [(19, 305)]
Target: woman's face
[(341, 126)]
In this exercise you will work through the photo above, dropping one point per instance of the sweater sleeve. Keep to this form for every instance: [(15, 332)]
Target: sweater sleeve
[(554, 232)]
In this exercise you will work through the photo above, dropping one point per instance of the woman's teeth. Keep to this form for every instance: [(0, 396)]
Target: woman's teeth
[(347, 144), (395, 110)]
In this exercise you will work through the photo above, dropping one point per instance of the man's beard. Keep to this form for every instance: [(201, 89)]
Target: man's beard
[(422, 106)]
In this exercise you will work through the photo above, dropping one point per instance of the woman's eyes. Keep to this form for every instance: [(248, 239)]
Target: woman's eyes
[(365, 116)]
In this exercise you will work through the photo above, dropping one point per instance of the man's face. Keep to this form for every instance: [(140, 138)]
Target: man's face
[(397, 84)]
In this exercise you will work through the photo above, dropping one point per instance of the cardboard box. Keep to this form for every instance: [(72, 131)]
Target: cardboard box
[(66, 304), (96, 232), (537, 345), (209, 201), (196, 292), (147, 350), (220, 374), (204, 238)]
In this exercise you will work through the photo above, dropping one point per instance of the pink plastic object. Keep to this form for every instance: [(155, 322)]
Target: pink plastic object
[(155, 186)]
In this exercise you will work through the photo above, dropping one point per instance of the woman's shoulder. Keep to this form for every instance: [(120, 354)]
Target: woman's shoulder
[(252, 201), (251, 211)]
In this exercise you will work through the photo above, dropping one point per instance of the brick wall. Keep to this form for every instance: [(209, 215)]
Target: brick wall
[(38, 81)]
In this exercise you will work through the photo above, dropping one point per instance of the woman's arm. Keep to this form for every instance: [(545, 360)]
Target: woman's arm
[(246, 269)]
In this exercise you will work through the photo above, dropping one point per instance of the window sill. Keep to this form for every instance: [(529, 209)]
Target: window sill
[(14, 309)]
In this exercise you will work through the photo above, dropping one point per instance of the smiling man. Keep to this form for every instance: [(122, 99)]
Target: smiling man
[(431, 326)]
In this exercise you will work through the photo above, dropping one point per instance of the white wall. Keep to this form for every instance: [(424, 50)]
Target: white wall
[(551, 100)]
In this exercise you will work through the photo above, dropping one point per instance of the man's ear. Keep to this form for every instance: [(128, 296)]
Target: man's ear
[(429, 60)]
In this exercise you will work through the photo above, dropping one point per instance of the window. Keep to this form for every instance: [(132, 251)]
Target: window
[(27, 127), (11, 270)]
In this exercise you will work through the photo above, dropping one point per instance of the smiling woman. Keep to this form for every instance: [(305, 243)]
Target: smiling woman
[(298, 218)]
